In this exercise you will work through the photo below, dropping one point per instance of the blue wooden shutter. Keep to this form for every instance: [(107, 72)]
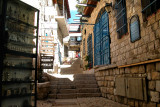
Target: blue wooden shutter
[(102, 41), (105, 38)]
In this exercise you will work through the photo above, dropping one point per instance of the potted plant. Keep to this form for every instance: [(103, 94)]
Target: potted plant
[(87, 66)]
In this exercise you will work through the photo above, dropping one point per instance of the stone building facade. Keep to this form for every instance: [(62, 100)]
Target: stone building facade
[(132, 76), (53, 27)]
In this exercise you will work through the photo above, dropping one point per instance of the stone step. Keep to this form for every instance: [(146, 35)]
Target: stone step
[(84, 75), (64, 80), (54, 79), (84, 78), (52, 96), (66, 83), (65, 104), (85, 82), (53, 91), (53, 86), (87, 86), (80, 95), (64, 86), (67, 96), (88, 90), (54, 82), (67, 91), (61, 82), (69, 71)]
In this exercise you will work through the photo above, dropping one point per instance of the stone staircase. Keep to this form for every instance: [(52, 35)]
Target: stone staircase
[(84, 85), (74, 69)]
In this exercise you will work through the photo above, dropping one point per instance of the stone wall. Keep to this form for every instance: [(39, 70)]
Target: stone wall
[(106, 79), (148, 47)]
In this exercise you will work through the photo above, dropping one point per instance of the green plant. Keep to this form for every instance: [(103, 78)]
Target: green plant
[(87, 66), (87, 58)]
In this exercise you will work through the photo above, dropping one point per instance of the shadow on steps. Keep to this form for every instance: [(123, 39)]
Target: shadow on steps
[(83, 85)]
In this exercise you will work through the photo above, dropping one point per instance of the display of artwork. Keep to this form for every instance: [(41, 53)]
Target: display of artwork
[(19, 54)]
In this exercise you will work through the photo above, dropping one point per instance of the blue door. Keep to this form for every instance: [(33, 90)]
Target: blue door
[(102, 40)]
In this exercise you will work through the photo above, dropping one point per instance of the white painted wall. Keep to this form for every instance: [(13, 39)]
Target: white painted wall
[(34, 3)]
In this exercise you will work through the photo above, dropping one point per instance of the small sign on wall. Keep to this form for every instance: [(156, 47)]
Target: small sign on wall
[(134, 28)]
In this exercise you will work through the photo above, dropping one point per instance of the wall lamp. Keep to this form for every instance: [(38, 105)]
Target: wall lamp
[(86, 5), (108, 7), (80, 20), (95, 0), (83, 23), (79, 15), (91, 0), (108, 4)]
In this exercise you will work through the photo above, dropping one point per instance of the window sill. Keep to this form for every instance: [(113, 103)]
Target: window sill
[(127, 33), (152, 15)]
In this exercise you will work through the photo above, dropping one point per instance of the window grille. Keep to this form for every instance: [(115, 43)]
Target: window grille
[(149, 7), (121, 17), (90, 51), (102, 39)]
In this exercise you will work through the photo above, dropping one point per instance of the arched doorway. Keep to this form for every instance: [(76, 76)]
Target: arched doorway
[(102, 39)]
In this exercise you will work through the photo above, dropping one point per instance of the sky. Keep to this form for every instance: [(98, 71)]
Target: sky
[(73, 10)]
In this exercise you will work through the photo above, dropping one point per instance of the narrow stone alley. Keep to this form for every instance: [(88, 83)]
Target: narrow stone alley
[(72, 88), (80, 53)]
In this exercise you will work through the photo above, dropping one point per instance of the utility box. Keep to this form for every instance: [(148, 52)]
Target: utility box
[(120, 86), (131, 87)]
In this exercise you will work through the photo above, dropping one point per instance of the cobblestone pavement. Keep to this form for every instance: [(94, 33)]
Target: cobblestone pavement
[(79, 102)]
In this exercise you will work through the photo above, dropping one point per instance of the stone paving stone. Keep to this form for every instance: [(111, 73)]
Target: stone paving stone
[(79, 102)]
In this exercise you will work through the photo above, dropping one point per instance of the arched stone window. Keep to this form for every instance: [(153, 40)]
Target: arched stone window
[(134, 28)]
